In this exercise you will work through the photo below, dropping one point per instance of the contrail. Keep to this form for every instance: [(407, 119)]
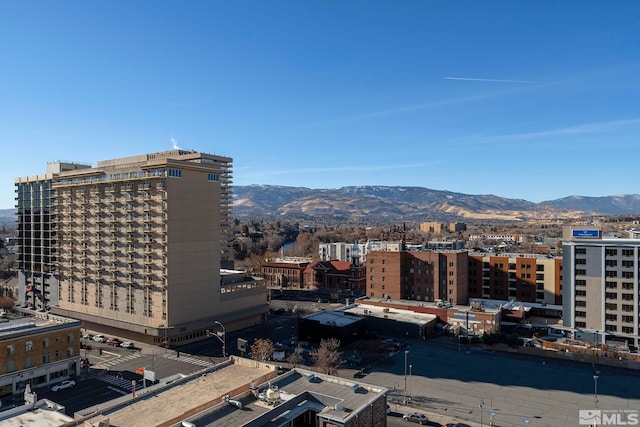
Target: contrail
[(471, 79)]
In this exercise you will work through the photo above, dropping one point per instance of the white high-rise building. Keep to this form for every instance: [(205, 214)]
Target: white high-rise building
[(601, 286)]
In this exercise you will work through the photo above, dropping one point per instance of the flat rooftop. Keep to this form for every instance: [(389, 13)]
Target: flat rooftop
[(44, 414), (407, 316), (299, 390), (158, 407), (333, 318)]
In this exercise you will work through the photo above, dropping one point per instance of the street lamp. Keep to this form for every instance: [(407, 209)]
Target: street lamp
[(223, 340), (595, 390), (166, 343), (480, 406), (406, 354), (410, 383)]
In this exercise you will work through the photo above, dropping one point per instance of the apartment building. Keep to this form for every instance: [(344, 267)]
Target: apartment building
[(37, 349), (134, 246), (524, 277), (603, 290), (342, 251), (422, 276)]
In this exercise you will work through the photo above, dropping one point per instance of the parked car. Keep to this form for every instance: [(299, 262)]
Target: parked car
[(127, 344), (88, 336), (100, 338), (114, 341), (416, 417), (457, 425), (63, 385)]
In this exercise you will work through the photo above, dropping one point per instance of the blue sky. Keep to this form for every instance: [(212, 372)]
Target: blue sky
[(533, 100)]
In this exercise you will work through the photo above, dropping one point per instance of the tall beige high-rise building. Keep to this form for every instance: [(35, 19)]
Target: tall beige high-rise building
[(136, 247)]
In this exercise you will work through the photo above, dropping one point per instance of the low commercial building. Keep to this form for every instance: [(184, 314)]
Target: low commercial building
[(394, 321), (243, 392), (331, 324), (37, 349)]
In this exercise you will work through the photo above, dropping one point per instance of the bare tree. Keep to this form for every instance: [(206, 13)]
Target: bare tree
[(296, 356), (327, 356), (262, 349)]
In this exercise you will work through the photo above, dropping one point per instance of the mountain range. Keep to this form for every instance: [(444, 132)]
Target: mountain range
[(387, 203)]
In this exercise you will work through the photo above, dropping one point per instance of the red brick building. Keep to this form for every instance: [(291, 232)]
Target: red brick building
[(421, 276), (341, 277)]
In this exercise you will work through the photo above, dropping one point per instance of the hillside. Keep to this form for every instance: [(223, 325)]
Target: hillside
[(412, 204)]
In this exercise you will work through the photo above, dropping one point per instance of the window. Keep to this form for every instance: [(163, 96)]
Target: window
[(611, 252), (10, 366), (45, 342), (28, 346), (581, 251), (45, 358), (580, 272), (213, 177), (175, 173), (10, 350), (27, 362)]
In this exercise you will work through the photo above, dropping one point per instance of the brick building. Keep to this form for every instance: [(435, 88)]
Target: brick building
[(285, 273), (38, 349), (341, 277), (422, 276), (527, 278)]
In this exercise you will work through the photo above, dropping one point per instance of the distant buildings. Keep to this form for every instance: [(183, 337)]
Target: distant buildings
[(133, 246), (437, 227), (602, 292)]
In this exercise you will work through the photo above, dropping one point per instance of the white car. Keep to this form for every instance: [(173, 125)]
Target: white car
[(127, 344), (100, 338), (416, 417), (63, 385)]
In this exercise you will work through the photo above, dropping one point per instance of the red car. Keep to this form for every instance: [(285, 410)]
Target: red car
[(114, 341)]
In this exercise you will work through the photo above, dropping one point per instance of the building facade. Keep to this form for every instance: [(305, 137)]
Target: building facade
[(136, 246), (422, 276), (339, 277), (38, 349), (342, 251), (603, 291), (526, 278), (284, 273), (34, 246)]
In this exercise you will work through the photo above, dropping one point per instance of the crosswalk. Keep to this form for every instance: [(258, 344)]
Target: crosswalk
[(190, 359), (120, 382), (112, 362)]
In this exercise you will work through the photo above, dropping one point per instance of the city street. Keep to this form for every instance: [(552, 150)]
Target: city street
[(483, 386)]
